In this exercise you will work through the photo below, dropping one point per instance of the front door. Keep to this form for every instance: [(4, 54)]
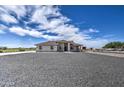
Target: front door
[(65, 47), (59, 48)]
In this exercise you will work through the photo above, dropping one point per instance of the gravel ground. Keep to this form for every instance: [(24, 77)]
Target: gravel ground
[(61, 70), (114, 54)]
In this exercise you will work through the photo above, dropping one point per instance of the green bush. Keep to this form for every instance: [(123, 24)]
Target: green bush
[(114, 45), (21, 49), (1, 51), (4, 48)]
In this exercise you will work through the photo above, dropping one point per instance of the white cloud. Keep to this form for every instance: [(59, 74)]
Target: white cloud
[(6, 10), (8, 18), (67, 30), (18, 10), (48, 37), (2, 32), (56, 25), (23, 32), (39, 17), (93, 30), (3, 27), (90, 30), (51, 20)]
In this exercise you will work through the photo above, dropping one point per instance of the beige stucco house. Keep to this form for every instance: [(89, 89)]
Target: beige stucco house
[(60, 46)]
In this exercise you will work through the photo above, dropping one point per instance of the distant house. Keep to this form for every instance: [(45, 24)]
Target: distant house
[(60, 46)]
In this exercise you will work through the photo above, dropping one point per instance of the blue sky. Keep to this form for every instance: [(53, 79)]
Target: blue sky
[(93, 26)]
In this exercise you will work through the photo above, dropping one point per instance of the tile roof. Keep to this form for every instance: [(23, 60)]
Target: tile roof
[(49, 43), (55, 43)]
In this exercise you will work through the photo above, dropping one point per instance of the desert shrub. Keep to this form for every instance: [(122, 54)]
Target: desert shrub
[(1, 51), (21, 49)]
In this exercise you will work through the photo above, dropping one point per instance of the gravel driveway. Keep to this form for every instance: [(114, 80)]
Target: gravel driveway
[(61, 70)]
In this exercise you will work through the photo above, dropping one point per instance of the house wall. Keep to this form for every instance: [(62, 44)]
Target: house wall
[(47, 49), (61, 48), (75, 49)]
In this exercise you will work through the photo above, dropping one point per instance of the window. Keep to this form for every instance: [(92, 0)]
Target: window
[(52, 47), (40, 47), (60, 47), (71, 47)]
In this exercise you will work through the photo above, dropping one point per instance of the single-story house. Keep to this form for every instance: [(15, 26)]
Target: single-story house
[(60, 46)]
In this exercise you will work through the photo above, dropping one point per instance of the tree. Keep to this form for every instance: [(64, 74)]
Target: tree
[(114, 45), (4, 48), (21, 49)]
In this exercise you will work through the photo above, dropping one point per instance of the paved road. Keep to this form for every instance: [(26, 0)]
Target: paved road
[(61, 70)]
